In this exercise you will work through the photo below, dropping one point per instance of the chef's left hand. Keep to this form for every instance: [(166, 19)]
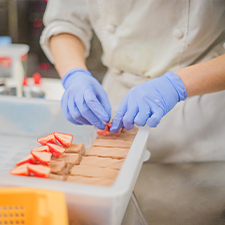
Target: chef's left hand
[(149, 101)]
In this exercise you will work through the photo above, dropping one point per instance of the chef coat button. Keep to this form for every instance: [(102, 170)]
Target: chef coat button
[(111, 28), (178, 33)]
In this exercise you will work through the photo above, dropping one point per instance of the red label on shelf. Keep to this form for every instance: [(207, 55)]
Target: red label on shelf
[(5, 62)]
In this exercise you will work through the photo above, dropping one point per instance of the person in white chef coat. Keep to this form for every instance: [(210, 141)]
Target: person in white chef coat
[(164, 59)]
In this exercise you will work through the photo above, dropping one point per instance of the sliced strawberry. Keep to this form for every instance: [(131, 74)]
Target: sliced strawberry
[(43, 148), (21, 170), (39, 170), (108, 125), (104, 132), (27, 159), (56, 150), (42, 157), (50, 138), (64, 139)]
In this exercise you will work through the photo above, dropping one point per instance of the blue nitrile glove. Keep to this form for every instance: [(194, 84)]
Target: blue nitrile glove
[(84, 100), (150, 101)]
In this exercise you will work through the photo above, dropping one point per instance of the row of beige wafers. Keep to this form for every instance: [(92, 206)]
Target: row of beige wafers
[(99, 165)]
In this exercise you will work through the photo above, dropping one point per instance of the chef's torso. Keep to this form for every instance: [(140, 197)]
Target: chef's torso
[(149, 38), (143, 37)]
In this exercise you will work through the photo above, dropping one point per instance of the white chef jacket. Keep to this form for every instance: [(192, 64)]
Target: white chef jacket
[(143, 39)]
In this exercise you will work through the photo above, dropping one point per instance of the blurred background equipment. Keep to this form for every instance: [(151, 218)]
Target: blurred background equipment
[(21, 20)]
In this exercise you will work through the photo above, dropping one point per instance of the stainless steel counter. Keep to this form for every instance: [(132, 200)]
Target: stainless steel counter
[(182, 193)]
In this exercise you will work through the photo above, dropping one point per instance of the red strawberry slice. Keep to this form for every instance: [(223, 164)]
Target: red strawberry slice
[(42, 157), (50, 138), (39, 170), (43, 148), (104, 132), (27, 159), (21, 170), (64, 139), (56, 150), (108, 125)]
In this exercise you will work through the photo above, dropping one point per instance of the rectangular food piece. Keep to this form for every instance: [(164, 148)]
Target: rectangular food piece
[(102, 162), (70, 158), (101, 181), (57, 177), (93, 171), (114, 153), (57, 167), (77, 148), (117, 143)]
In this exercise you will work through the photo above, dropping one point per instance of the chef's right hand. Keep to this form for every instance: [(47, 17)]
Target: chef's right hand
[(84, 100)]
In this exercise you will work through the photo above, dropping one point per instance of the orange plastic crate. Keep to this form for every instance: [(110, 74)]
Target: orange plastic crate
[(32, 207)]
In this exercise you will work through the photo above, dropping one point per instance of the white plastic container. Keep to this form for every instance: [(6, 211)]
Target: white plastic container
[(15, 56), (23, 120)]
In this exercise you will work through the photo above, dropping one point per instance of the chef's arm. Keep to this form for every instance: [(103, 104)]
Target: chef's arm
[(84, 100), (68, 52), (205, 77), (166, 91)]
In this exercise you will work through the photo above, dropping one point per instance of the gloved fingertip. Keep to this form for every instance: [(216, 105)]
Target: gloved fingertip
[(153, 123), (100, 126), (116, 125), (129, 127), (114, 129), (106, 119)]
